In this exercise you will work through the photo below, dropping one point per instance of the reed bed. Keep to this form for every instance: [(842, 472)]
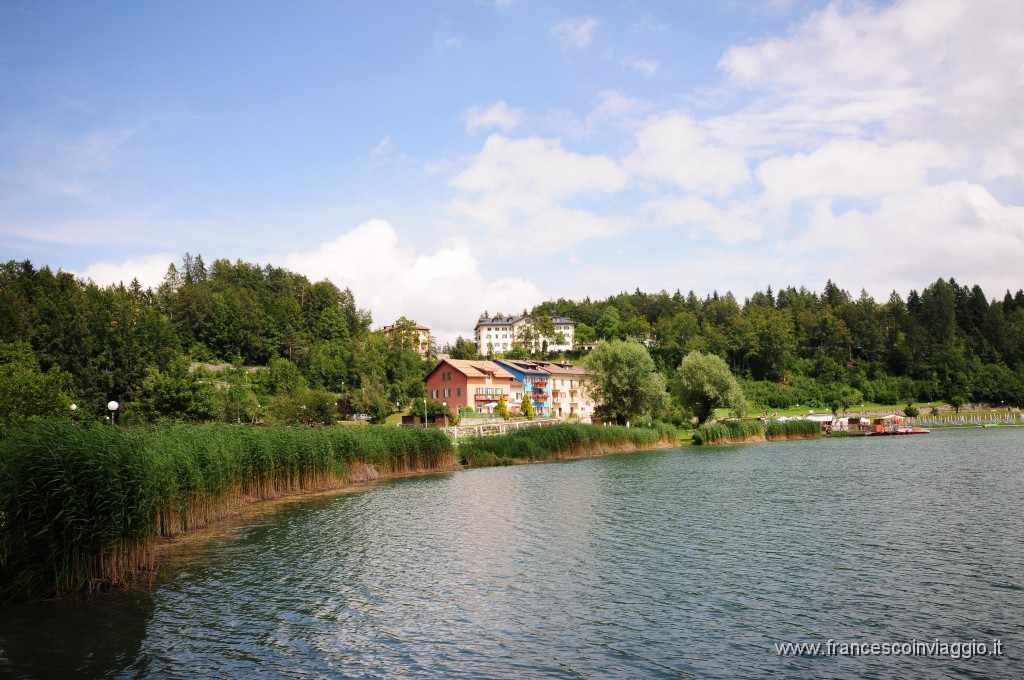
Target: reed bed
[(560, 441), (792, 429), (755, 431), (81, 508)]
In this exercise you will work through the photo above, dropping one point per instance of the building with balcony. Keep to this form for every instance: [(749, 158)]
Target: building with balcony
[(535, 382), (567, 390), (476, 385), (495, 335)]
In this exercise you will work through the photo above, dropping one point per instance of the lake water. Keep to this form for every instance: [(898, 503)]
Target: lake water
[(676, 563)]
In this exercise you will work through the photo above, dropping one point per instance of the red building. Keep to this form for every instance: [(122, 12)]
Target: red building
[(477, 385)]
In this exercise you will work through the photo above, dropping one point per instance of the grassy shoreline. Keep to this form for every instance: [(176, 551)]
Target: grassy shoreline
[(82, 509), (753, 431), (559, 442), (85, 509)]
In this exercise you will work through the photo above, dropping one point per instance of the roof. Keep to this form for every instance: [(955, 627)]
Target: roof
[(512, 320), (476, 369), (391, 327), (562, 368), (522, 365), (500, 320)]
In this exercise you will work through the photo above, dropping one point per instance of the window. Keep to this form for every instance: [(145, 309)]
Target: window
[(458, 391), (447, 392), (433, 394)]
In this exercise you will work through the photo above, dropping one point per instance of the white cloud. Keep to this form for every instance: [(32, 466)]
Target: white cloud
[(522, 185), (613, 106), (675, 148), (383, 149), (850, 168), (496, 116), (729, 225), (575, 33), (149, 270), (948, 70), (445, 290), (954, 229), (646, 67)]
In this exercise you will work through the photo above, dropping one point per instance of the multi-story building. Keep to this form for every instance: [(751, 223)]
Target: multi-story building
[(418, 336), (472, 384), (495, 335), (535, 381), (556, 388), (567, 390)]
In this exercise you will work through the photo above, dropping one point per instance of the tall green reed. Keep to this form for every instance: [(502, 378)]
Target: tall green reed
[(81, 508), (542, 443)]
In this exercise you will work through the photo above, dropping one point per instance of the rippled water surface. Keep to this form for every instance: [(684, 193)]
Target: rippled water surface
[(679, 563)]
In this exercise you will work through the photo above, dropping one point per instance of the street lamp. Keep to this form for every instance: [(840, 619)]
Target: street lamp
[(112, 407), (424, 411), (445, 404)]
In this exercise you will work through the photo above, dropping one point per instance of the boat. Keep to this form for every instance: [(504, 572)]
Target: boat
[(894, 425)]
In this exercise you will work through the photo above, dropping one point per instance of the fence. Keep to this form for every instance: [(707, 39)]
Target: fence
[(497, 427)]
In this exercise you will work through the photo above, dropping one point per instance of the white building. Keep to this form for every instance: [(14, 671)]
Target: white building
[(495, 335)]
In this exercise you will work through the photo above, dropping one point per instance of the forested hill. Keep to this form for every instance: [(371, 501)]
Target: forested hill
[(63, 339), (297, 349), (798, 347)]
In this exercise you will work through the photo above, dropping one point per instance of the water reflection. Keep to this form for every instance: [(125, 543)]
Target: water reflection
[(671, 563), (96, 637)]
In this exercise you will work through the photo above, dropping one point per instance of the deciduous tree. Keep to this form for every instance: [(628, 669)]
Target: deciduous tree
[(703, 382), (623, 380)]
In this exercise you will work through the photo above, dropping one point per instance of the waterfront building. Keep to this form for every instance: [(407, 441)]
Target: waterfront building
[(477, 385), (566, 387), (535, 383)]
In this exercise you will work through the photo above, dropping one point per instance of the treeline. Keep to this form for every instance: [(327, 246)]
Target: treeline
[(276, 347), (947, 343), (297, 351)]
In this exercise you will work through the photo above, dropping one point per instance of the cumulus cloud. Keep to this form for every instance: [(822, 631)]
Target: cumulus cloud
[(954, 229), (882, 125), (676, 149), (496, 116), (149, 270), (646, 67), (852, 168), (522, 186), (445, 289), (941, 69), (730, 225), (575, 33)]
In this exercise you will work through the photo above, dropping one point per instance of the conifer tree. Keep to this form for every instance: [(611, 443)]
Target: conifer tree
[(502, 408), (527, 407)]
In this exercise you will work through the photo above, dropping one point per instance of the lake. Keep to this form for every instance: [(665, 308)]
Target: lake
[(694, 562)]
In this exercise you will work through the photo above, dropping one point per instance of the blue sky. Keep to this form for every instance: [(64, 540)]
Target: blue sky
[(446, 158)]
